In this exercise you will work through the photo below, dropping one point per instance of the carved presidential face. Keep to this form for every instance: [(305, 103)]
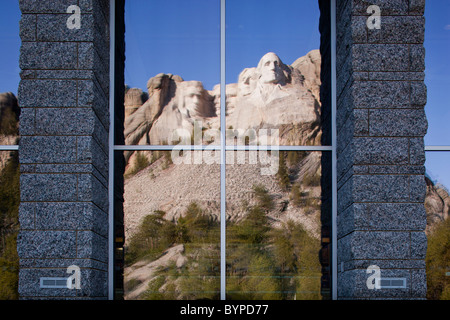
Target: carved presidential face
[(192, 94), (269, 68)]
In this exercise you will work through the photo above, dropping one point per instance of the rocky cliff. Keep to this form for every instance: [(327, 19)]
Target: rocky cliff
[(437, 204), (9, 123), (272, 95)]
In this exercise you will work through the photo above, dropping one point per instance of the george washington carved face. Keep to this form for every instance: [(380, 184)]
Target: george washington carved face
[(269, 68)]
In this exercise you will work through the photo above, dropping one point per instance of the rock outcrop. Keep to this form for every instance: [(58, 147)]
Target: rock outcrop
[(9, 123), (437, 204), (9, 114), (272, 95), (134, 98), (143, 272)]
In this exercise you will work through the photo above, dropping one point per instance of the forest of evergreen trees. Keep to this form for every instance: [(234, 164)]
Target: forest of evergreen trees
[(9, 227), (262, 262)]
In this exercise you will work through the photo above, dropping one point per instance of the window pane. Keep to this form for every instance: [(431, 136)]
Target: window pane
[(277, 227), (172, 66), (437, 79), (172, 227), (9, 224), (9, 72), (437, 206), (273, 69)]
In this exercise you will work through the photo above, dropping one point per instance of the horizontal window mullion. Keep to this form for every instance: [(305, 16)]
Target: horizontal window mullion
[(437, 148), (9, 148), (218, 147)]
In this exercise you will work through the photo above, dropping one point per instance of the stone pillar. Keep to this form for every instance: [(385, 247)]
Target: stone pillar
[(64, 96), (380, 148)]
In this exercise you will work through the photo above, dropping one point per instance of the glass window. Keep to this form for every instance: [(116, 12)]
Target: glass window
[(437, 200), (9, 162), (437, 207), (274, 230), (273, 69), (9, 224), (172, 220), (172, 66), (437, 46), (9, 72), (195, 228)]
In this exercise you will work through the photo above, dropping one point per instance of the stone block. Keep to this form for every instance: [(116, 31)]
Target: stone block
[(90, 151), (47, 149), (417, 7), (44, 6), (48, 55), (380, 57), (91, 95), (354, 285), (29, 283), (417, 151), (416, 57), (387, 7), (65, 121), (94, 284), (28, 27), (398, 122), (27, 121), (381, 94), (381, 216), (86, 55), (46, 244), (90, 245), (417, 188), (375, 151), (91, 189), (48, 187), (380, 188), (374, 245), (391, 216), (361, 122), (27, 215), (397, 29), (419, 283), (47, 93), (418, 93), (53, 27), (71, 216), (419, 245)]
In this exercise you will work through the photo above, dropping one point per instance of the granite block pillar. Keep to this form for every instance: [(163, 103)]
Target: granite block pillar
[(380, 149), (64, 96)]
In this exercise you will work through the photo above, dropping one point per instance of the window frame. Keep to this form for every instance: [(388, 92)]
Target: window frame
[(113, 148)]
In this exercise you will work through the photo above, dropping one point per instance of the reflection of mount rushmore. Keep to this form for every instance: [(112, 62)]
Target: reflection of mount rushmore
[(272, 96)]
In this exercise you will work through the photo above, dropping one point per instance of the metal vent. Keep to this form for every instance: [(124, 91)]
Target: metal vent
[(53, 283), (392, 283)]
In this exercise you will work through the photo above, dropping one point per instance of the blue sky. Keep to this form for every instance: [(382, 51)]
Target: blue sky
[(9, 46), (186, 42)]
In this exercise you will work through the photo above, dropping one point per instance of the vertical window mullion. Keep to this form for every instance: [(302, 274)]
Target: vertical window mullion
[(111, 155), (334, 156), (222, 153)]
